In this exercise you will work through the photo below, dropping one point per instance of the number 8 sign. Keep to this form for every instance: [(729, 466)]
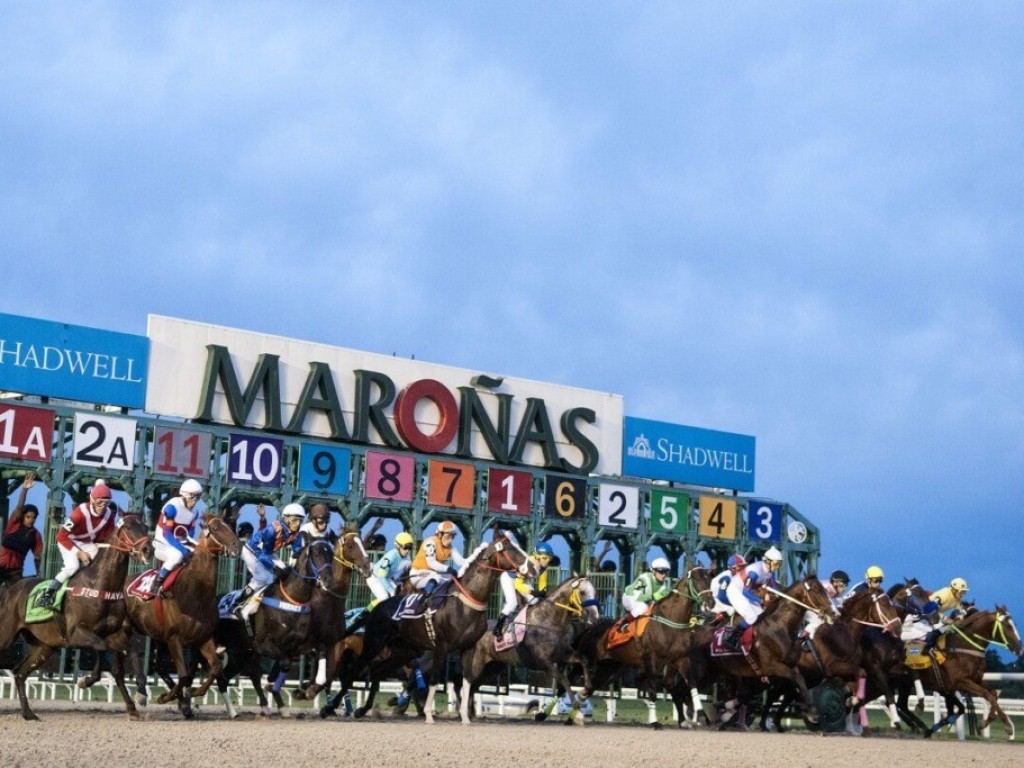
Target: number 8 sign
[(389, 476)]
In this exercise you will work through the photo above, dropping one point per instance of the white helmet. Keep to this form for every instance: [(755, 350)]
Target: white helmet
[(660, 564), (294, 510), (773, 554), (191, 488)]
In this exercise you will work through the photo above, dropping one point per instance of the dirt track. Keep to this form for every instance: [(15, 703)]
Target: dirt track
[(100, 735)]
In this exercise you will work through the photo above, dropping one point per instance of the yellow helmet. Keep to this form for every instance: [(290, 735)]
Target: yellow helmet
[(874, 572), (958, 584), (403, 539)]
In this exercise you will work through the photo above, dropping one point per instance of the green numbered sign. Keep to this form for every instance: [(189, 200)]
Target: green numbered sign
[(670, 511)]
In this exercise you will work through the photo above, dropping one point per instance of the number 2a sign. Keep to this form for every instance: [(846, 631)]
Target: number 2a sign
[(618, 506), (717, 518), (104, 441)]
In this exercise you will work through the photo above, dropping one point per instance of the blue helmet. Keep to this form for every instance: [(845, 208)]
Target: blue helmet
[(544, 549)]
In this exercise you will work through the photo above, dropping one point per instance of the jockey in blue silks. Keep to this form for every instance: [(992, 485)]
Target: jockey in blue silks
[(259, 555)]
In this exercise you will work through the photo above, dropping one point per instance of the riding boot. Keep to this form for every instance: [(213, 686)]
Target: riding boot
[(930, 641), (499, 625), (156, 585), (731, 641), (243, 598), (46, 597)]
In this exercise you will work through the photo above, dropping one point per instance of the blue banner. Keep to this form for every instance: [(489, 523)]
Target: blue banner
[(71, 362), (658, 451)]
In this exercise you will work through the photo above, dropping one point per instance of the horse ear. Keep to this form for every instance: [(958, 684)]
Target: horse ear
[(575, 575)]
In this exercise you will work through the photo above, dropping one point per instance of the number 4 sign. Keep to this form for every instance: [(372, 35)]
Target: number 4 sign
[(717, 517)]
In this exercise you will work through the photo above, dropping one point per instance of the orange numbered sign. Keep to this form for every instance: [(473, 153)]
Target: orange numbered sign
[(451, 484), (717, 517)]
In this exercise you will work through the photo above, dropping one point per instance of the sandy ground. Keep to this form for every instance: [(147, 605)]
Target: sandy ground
[(86, 735)]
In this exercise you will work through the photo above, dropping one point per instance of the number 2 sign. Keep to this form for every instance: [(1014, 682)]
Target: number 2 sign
[(619, 505)]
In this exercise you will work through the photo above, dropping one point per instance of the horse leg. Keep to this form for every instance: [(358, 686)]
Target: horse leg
[(811, 712), (471, 669), (37, 656), (117, 670), (974, 688), (181, 689), (209, 652), (281, 667)]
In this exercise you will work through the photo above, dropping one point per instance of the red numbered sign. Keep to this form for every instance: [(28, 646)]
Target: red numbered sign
[(509, 492), (182, 452), (390, 476), (451, 484), (26, 433)]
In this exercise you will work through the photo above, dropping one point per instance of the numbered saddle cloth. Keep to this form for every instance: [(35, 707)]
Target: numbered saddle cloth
[(718, 647), (143, 583), (621, 632), (916, 659), (513, 633)]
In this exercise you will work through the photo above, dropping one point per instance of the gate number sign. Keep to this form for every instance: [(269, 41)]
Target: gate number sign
[(104, 441), (717, 517), (509, 492), (389, 476), (618, 506), (324, 468), (26, 433), (255, 460), (670, 511)]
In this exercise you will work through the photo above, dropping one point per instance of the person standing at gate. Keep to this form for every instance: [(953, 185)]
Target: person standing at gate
[(89, 524), (20, 536)]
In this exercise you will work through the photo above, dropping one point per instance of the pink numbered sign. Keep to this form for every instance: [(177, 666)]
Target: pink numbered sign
[(390, 476)]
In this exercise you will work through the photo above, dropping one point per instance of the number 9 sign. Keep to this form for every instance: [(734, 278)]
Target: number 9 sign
[(324, 468)]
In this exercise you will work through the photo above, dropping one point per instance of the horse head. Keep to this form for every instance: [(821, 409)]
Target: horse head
[(1004, 624), (911, 598), (350, 553), (504, 553), (812, 592), (132, 537), (872, 607), (698, 587), (583, 595), (218, 537), (317, 560)]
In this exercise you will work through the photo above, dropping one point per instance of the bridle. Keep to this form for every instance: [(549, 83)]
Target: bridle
[(805, 583), (133, 547), (339, 551), (577, 604), (998, 629), (876, 607)]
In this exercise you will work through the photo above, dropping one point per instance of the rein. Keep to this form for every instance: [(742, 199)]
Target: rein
[(997, 628), (339, 555), (791, 599), (884, 626)]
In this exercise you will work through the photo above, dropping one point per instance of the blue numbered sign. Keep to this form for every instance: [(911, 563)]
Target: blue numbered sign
[(324, 468), (764, 521), (255, 460)]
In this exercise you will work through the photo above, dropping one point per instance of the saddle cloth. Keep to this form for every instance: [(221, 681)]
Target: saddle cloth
[(718, 638), (917, 660), (621, 632), (513, 634), (35, 613), (140, 584), (417, 604)]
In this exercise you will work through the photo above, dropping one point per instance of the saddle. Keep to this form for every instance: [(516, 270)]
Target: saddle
[(915, 658), (513, 633), (141, 584), (419, 603), (621, 632), (35, 613), (718, 647)]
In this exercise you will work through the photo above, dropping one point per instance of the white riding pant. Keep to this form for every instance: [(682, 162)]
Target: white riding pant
[(261, 575), (382, 589), (420, 579), (508, 592), (915, 630), (723, 608), (635, 608), (71, 561), (744, 606), (167, 556)]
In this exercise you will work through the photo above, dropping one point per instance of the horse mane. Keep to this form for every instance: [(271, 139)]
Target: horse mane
[(475, 554), (853, 601)]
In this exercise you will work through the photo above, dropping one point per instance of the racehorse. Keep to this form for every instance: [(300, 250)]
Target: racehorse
[(835, 649), (328, 610), (883, 654), (964, 665), (188, 617), (280, 627), (775, 649), (663, 647), (539, 639), (92, 614), (454, 626)]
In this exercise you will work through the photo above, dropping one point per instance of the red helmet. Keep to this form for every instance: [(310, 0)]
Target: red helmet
[(737, 561), (100, 491)]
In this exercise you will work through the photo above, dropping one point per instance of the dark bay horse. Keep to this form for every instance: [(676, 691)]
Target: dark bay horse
[(663, 648), (776, 648), (964, 665), (280, 628), (186, 618), (883, 654), (546, 643), (835, 650), (455, 626), (328, 609), (93, 612)]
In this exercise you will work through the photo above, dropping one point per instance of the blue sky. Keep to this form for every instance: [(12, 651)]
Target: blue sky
[(800, 221)]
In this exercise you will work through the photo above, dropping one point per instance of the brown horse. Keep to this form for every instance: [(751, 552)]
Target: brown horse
[(187, 618), (663, 647), (835, 650), (883, 654), (455, 626), (93, 612), (776, 649), (964, 665), (280, 628), (546, 643), (328, 605)]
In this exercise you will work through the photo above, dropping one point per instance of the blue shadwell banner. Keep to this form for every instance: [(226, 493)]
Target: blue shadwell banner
[(72, 362), (659, 451)]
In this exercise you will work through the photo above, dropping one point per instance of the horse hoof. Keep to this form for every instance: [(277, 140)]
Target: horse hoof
[(359, 712), (540, 717), (30, 715), (82, 683), (141, 700), (656, 726), (326, 712), (134, 715)]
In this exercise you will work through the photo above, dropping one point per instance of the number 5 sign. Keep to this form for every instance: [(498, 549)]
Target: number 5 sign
[(717, 518), (670, 511), (619, 505)]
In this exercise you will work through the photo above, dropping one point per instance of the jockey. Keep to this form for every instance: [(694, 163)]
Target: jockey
[(316, 527), (175, 532), (950, 606), (720, 582), (511, 585), (834, 588), (258, 554), (873, 578), (391, 570), (437, 562), (89, 524), (742, 596), (650, 587)]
